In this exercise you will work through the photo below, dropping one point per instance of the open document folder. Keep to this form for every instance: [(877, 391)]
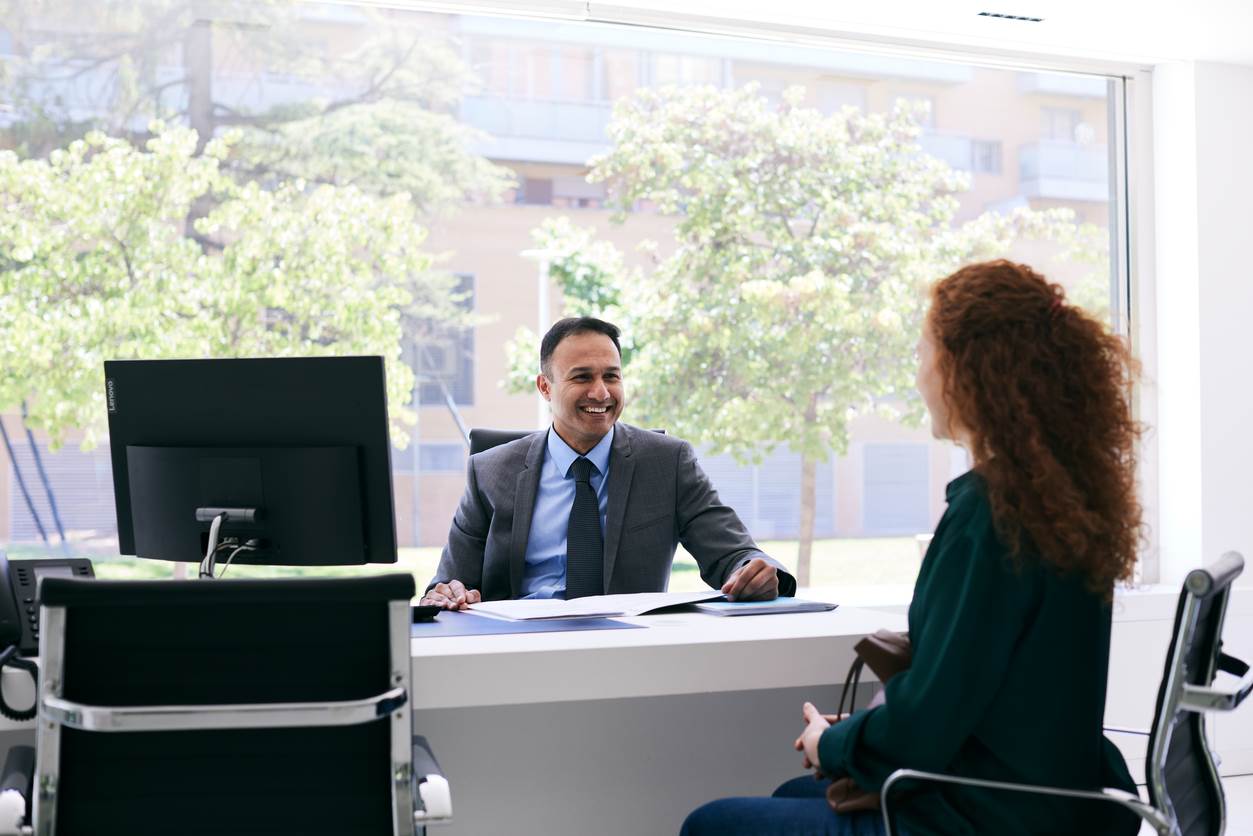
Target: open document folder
[(642, 603), (593, 606)]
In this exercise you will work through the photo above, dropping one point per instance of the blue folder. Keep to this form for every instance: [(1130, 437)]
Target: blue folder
[(455, 623)]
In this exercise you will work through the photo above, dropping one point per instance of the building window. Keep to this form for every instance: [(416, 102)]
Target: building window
[(985, 156), (620, 70), (896, 489), (926, 105), (441, 458), (1059, 123), (577, 193), (535, 191), (445, 362), (686, 69), (833, 96)]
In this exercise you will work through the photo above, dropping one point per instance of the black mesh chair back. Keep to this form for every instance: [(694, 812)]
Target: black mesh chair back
[(1185, 794), (181, 647), (481, 439), (1182, 777)]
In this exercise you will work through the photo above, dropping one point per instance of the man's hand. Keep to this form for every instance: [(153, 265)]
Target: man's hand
[(756, 580), (807, 743), (451, 596)]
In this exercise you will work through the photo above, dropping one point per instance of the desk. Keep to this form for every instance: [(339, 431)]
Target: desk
[(613, 731), (625, 731)]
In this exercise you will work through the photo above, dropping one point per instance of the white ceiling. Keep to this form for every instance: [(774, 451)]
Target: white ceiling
[(1142, 32)]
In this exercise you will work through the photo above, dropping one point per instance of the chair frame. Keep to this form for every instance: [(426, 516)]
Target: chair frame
[(391, 706), (1176, 697)]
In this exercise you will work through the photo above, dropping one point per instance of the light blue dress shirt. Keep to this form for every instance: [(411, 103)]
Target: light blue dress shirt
[(544, 575)]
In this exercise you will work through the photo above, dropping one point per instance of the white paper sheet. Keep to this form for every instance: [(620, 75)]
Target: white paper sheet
[(593, 606)]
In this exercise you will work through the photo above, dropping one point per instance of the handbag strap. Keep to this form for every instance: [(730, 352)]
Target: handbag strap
[(851, 681)]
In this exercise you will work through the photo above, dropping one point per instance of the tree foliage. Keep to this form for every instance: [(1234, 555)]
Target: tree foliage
[(794, 294), (94, 266), (287, 220), (369, 102)]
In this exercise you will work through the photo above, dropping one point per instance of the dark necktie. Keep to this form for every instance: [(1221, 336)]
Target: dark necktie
[(585, 550)]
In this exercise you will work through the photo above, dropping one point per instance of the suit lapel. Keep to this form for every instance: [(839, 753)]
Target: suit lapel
[(523, 506), (621, 469)]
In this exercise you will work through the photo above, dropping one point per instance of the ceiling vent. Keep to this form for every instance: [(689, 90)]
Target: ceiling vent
[(1024, 18)]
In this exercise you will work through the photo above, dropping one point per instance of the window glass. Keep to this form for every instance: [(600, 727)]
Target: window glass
[(508, 161)]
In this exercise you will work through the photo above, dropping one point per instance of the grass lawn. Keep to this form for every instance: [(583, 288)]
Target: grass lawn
[(841, 561)]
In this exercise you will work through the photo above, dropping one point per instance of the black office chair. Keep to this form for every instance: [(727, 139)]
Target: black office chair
[(481, 439), (231, 706), (1185, 793)]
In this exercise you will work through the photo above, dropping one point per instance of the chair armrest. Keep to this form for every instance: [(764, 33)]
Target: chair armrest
[(1124, 799), (15, 784), (1125, 730), (1196, 698), (431, 786)]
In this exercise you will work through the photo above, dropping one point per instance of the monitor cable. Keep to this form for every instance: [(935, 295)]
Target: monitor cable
[(9, 657), (211, 551), (250, 546)]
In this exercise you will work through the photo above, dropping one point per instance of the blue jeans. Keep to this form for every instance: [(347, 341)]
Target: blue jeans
[(798, 808)]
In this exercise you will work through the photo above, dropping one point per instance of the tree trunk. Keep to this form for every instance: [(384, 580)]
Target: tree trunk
[(21, 483), (805, 547), (198, 70), (43, 477)]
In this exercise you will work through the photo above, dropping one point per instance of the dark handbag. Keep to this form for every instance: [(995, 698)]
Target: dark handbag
[(886, 654)]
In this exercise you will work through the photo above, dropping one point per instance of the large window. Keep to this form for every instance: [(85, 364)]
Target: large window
[(460, 144)]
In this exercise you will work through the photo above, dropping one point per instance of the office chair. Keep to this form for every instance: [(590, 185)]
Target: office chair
[(481, 439), (233, 706), (1185, 793)]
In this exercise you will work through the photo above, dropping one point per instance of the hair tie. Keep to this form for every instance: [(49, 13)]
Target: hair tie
[(1055, 307)]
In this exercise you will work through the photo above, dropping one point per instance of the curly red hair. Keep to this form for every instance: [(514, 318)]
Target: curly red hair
[(1043, 390)]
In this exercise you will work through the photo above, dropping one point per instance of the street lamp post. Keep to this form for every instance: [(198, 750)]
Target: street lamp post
[(541, 258)]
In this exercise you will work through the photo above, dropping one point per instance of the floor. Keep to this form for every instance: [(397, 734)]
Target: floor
[(1239, 792)]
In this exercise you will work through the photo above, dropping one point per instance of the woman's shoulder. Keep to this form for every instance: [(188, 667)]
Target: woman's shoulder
[(969, 512)]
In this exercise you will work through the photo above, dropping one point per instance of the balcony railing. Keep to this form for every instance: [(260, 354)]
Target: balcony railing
[(1064, 171), (954, 149), (559, 132)]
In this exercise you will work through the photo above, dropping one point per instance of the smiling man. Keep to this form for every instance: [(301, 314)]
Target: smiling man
[(591, 506)]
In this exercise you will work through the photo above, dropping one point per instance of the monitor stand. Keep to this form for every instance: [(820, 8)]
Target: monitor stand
[(215, 517)]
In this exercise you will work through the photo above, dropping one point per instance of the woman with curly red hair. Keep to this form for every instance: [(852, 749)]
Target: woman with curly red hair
[(1010, 618)]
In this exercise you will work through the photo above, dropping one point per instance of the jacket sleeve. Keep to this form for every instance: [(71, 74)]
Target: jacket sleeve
[(965, 624), (462, 558), (712, 532)]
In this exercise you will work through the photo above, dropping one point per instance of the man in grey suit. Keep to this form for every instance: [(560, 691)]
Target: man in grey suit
[(591, 506)]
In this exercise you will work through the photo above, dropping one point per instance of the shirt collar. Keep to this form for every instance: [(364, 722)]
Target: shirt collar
[(563, 456), (958, 485)]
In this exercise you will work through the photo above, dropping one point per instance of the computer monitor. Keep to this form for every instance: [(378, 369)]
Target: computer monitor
[(291, 455)]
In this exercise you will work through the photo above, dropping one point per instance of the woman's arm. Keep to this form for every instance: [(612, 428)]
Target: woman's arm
[(970, 609)]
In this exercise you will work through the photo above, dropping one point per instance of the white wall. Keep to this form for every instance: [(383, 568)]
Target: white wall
[(1203, 234), (1203, 179)]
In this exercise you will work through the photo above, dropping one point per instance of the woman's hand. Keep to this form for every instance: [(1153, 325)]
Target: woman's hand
[(807, 743)]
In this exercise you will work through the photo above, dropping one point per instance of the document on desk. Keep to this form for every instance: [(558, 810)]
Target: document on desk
[(774, 605), (593, 606)]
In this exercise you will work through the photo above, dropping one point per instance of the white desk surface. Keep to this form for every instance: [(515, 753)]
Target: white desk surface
[(676, 654)]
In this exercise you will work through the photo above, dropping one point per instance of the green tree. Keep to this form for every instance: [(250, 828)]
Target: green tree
[(364, 106), (795, 292), (94, 266), (369, 102), (590, 275)]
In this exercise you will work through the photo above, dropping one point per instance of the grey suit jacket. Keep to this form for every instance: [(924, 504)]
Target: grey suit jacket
[(658, 497)]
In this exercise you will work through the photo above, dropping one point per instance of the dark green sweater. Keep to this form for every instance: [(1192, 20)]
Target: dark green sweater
[(1007, 683)]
